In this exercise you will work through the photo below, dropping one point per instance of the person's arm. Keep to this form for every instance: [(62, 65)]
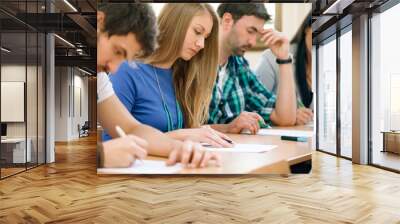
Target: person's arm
[(123, 152), (214, 112), (284, 113), (259, 99), (224, 128), (111, 112), (114, 111), (245, 121), (157, 143), (270, 74), (204, 134)]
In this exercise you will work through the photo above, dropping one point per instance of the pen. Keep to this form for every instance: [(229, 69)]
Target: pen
[(227, 140), (263, 124), (206, 145), (121, 134), (212, 130), (209, 145), (292, 138)]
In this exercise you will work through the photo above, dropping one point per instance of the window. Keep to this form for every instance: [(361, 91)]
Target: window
[(385, 84), (327, 96), (22, 86), (346, 93), (14, 153)]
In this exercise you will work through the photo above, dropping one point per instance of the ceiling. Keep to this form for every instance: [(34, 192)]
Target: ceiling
[(332, 15), (72, 20), (75, 22)]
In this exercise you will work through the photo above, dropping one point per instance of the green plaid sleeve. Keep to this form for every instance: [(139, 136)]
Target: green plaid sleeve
[(258, 98), (213, 110)]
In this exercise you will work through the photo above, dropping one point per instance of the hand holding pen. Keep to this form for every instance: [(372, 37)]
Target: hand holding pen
[(303, 114), (135, 145), (206, 134), (250, 121)]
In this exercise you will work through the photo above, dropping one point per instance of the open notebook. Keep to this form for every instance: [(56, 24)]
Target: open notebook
[(144, 167)]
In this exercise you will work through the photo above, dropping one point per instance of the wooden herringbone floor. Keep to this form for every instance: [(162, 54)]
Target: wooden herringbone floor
[(69, 191)]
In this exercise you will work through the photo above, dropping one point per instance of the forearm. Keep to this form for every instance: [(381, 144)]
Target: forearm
[(112, 112), (177, 135), (285, 107), (224, 128), (160, 144)]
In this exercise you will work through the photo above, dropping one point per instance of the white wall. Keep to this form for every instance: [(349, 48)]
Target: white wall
[(12, 101), (61, 103), (14, 73), (293, 15), (71, 93), (33, 127), (80, 100)]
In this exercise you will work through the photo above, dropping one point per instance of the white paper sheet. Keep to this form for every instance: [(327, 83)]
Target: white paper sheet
[(254, 148), (283, 132), (144, 167)]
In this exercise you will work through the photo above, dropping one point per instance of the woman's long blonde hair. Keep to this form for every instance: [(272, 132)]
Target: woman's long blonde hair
[(194, 79)]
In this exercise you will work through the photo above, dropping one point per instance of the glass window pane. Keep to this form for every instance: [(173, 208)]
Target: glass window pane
[(13, 86), (314, 87), (346, 93), (31, 97), (385, 88), (327, 96), (14, 147), (22, 86), (41, 99)]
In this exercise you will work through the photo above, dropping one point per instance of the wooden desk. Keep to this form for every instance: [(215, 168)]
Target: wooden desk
[(391, 141), (13, 150), (277, 161)]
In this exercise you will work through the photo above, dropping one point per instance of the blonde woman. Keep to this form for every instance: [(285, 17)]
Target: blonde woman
[(124, 29), (172, 89)]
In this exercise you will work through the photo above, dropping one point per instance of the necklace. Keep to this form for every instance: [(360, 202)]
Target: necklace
[(171, 125)]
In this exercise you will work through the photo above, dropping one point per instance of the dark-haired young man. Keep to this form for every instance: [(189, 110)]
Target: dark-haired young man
[(240, 102), (127, 31)]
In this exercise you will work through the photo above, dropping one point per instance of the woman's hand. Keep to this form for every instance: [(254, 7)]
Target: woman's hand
[(304, 116), (205, 135), (122, 152), (192, 155)]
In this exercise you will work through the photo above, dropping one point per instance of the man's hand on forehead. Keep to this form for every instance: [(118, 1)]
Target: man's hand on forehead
[(263, 31), (276, 41)]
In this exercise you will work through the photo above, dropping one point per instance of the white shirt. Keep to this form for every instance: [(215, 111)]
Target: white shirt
[(222, 77), (104, 87)]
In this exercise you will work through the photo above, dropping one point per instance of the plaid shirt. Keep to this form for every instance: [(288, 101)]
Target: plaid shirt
[(241, 91)]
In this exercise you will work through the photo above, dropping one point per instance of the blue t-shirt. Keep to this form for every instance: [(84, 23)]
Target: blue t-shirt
[(135, 85)]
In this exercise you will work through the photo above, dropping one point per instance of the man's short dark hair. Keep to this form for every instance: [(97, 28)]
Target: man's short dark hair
[(136, 18), (237, 10)]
